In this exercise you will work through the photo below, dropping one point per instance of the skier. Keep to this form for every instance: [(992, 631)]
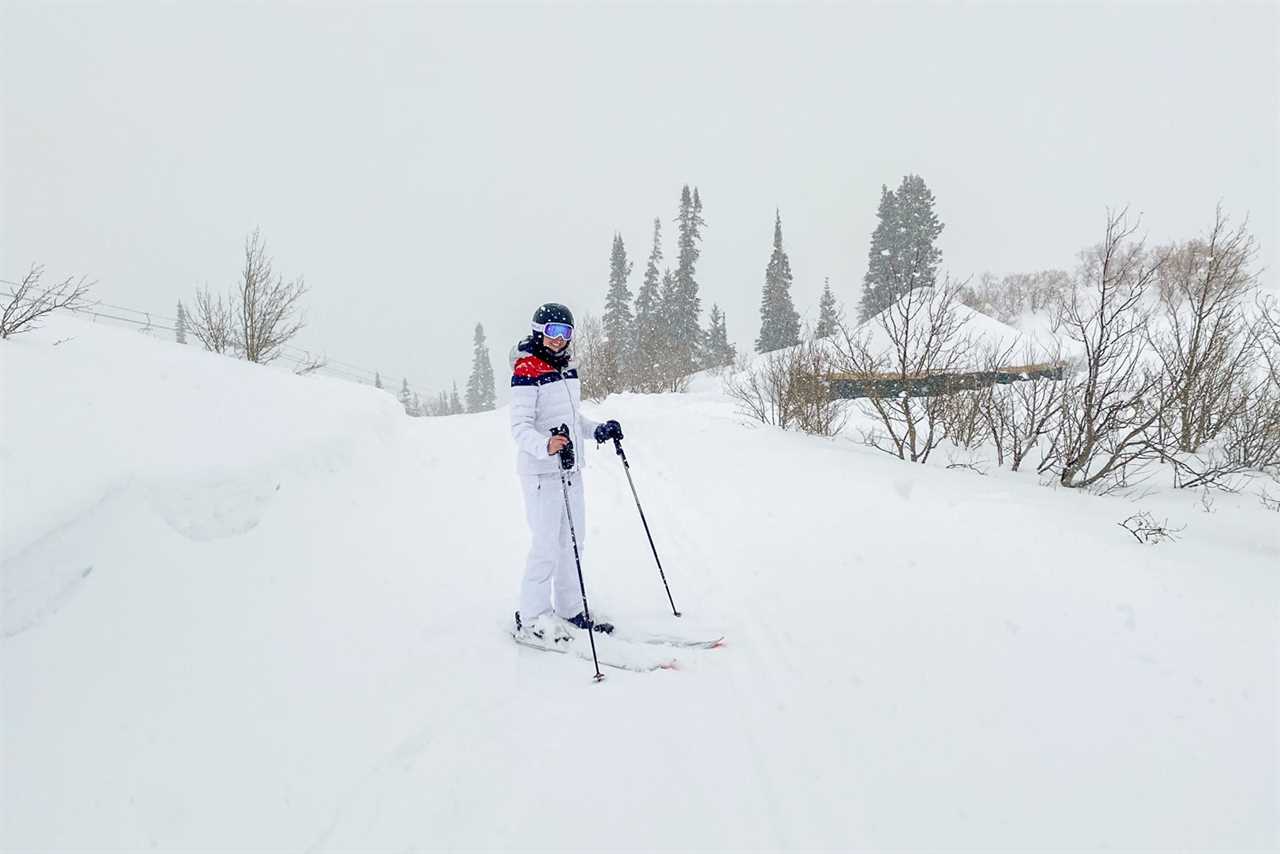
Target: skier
[(545, 394)]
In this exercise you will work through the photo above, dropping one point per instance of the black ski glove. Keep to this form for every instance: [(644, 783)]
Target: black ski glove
[(608, 430)]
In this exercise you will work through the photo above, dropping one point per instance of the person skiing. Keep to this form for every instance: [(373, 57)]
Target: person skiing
[(545, 394)]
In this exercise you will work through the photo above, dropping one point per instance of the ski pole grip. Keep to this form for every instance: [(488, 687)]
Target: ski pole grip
[(565, 453)]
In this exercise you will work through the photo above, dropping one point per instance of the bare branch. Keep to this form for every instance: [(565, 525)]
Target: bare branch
[(211, 323), (32, 301)]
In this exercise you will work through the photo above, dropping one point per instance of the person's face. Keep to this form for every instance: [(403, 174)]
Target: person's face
[(555, 345)]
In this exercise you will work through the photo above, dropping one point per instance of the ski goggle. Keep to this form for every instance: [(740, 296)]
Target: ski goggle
[(556, 330)]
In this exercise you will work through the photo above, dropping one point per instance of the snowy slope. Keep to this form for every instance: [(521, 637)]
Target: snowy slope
[(244, 610)]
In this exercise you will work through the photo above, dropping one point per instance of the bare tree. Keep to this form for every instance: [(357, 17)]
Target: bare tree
[(921, 336), (31, 301), (211, 322), (589, 348), (1266, 333), (266, 310), (1112, 399), (1204, 340)]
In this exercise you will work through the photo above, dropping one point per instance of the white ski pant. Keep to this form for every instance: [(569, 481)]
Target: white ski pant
[(550, 573)]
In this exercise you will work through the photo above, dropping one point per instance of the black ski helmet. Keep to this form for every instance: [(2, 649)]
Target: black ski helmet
[(551, 312)]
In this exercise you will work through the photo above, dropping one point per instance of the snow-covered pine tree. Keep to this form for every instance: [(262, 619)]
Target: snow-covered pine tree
[(617, 361), (442, 403), (406, 396), (828, 314), (719, 351), (921, 228), (180, 330), (648, 306), (902, 254), (877, 285), (455, 402), (686, 330), (779, 320), (481, 396), (377, 380), (415, 408)]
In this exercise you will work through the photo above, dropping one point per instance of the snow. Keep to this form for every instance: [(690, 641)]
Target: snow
[(249, 611)]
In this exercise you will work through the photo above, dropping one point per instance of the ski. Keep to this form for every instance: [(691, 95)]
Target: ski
[(659, 639), (709, 640), (611, 653)]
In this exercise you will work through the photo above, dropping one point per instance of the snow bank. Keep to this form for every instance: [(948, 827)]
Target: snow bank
[(247, 611)]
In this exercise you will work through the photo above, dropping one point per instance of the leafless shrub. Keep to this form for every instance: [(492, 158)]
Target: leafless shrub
[(1112, 399), (1146, 530), (1010, 297), (1248, 441), (308, 364), (925, 337), (211, 323), (1266, 334), (1269, 501), (31, 301), (971, 466), (788, 388), (962, 417), (1019, 416)]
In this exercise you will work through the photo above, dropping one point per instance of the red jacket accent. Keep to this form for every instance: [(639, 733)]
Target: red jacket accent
[(532, 366)]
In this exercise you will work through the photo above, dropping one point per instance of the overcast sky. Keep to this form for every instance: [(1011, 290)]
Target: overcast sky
[(426, 168)]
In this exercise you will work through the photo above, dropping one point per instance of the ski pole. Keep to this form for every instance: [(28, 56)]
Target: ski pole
[(617, 444), (566, 463)]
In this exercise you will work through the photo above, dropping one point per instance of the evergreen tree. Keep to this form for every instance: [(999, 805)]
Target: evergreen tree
[(686, 335), (406, 397), (719, 351), (415, 408), (455, 402), (648, 308), (480, 391), (181, 329), (616, 362), (877, 285), (779, 321), (442, 403), (377, 380), (671, 360), (828, 314), (902, 254)]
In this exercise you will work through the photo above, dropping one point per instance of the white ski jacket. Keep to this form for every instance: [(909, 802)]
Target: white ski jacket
[(543, 397)]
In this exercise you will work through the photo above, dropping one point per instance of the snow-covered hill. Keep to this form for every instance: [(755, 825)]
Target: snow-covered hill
[(244, 610)]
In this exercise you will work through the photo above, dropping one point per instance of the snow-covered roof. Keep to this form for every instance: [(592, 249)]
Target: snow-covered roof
[(980, 335)]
